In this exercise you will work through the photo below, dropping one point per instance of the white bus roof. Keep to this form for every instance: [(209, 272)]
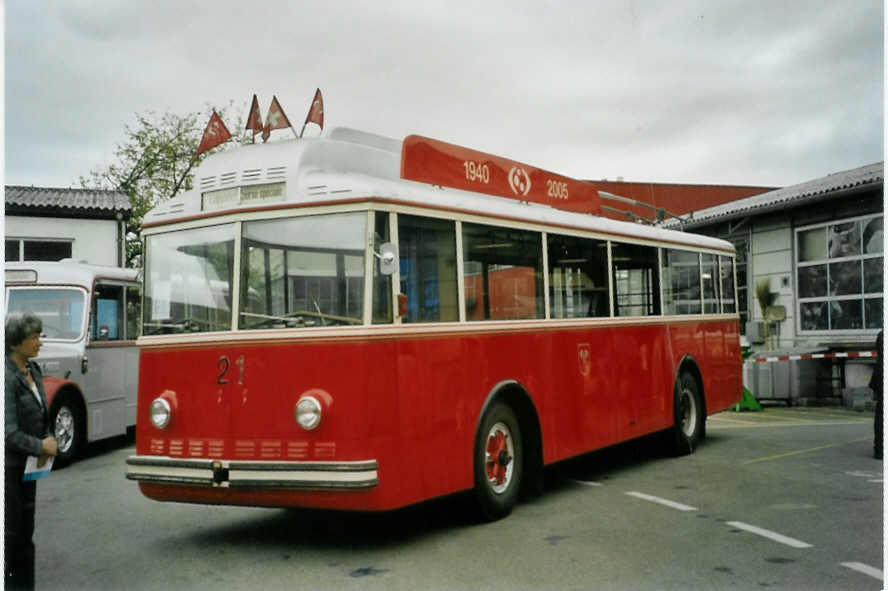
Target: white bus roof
[(350, 165), (64, 272)]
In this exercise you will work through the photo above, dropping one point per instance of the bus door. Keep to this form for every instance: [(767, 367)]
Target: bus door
[(110, 384), (640, 346), (583, 373)]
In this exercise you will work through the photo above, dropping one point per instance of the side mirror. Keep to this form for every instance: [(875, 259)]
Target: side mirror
[(388, 258)]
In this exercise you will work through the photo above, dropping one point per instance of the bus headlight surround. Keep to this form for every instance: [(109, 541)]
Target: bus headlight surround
[(308, 413), (160, 413)]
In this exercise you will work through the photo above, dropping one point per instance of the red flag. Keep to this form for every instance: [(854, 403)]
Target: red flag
[(276, 119), (316, 112), (216, 133), (254, 119)]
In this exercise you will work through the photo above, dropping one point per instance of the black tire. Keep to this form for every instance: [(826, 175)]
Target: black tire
[(689, 416), (68, 424), (498, 462)]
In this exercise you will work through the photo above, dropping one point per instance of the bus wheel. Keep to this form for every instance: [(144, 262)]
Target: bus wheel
[(689, 420), (69, 428), (499, 462)]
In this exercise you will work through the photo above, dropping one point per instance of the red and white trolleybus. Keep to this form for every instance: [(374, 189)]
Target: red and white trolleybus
[(361, 323)]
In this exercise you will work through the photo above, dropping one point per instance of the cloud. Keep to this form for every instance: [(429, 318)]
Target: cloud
[(735, 92)]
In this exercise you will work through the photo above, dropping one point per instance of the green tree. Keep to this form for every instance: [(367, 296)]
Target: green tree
[(156, 161)]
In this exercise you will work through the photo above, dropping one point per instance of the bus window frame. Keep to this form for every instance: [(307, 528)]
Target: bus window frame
[(371, 208)]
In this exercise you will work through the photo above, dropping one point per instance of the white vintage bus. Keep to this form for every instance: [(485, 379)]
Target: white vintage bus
[(89, 357)]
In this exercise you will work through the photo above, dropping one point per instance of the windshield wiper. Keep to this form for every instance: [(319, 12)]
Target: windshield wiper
[(298, 319), (184, 325)]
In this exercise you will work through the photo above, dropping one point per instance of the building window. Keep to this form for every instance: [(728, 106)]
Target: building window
[(839, 275), (727, 284), (37, 250), (741, 244), (13, 250)]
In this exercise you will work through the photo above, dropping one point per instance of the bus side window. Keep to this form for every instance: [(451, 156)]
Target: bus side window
[(107, 317), (427, 254), (681, 282), (636, 283), (503, 270), (577, 277), (133, 312), (711, 284)]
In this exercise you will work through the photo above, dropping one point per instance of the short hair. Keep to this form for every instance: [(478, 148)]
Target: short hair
[(19, 327)]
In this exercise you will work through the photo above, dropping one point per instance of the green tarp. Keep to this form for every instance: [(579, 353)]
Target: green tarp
[(748, 402)]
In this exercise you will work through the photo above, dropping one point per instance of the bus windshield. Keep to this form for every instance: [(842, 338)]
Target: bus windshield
[(295, 272), (61, 310), (303, 271), (188, 279)]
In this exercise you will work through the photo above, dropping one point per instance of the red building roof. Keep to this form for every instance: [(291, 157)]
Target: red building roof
[(677, 199)]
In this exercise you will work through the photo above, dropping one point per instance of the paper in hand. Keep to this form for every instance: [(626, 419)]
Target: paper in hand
[(33, 471)]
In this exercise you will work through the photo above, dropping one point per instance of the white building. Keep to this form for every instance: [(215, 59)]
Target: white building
[(48, 224), (817, 248)]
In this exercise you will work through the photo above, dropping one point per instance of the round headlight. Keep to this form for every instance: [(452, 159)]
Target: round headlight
[(308, 413), (160, 413)]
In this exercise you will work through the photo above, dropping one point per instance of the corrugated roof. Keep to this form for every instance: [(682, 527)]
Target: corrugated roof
[(792, 196), (67, 199)]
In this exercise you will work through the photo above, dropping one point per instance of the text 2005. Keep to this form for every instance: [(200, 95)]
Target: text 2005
[(556, 189)]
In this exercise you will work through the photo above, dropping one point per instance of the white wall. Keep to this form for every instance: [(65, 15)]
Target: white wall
[(94, 241)]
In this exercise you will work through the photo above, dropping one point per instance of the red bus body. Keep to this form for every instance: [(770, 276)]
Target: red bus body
[(403, 403), (412, 402)]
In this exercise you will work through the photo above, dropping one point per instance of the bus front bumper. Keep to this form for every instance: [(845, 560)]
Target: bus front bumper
[(356, 475)]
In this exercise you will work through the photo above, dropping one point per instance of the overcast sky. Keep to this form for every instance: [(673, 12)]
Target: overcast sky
[(742, 92)]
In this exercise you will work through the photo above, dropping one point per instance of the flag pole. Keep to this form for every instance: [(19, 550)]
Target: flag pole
[(182, 178)]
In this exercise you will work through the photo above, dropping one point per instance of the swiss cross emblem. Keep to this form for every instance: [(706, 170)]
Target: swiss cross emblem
[(519, 181), (584, 358)]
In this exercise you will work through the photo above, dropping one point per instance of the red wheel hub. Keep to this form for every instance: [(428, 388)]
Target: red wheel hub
[(498, 457)]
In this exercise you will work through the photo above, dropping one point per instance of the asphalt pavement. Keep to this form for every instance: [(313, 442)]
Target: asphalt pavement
[(789, 498)]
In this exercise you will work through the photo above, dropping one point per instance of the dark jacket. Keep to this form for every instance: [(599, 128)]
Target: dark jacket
[(27, 422)]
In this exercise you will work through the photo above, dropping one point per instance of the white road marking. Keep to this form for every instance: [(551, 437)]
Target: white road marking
[(586, 482), (769, 534), (666, 502), (869, 475), (753, 425), (865, 569)]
